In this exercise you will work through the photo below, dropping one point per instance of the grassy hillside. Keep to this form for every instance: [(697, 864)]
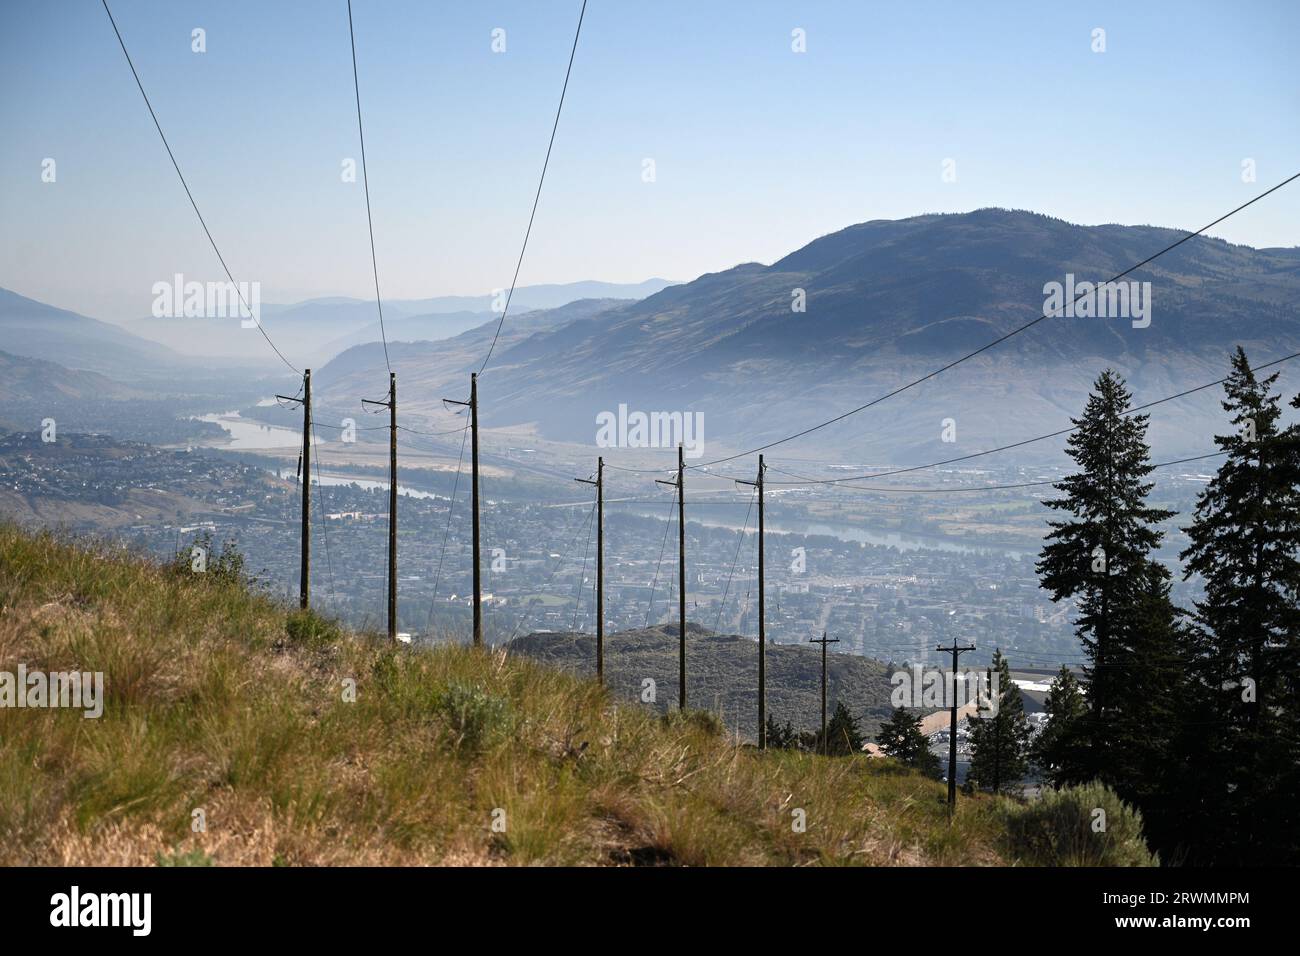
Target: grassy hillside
[(722, 674), (224, 702)]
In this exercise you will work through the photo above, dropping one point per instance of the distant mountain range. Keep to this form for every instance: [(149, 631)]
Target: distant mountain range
[(446, 360), (536, 296), (722, 674), (316, 330), (35, 330), (761, 351), (886, 302), (413, 328), (309, 333)]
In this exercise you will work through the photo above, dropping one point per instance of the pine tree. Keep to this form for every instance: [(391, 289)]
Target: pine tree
[(1102, 558), (781, 736), (1245, 546), (1000, 741), (1056, 745), (842, 734), (900, 737), (1155, 688)]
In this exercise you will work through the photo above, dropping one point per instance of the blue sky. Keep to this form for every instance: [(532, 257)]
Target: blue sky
[(757, 149)]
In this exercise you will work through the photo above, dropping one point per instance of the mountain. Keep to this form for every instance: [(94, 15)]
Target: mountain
[(450, 361), (23, 379), (35, 330), (313, 331), (891, 301), (301, 331), (538, 296), (438, 326), (722, 674), (414, 328)]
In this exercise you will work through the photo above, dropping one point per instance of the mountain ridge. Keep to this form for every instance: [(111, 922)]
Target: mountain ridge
[(888, 301)]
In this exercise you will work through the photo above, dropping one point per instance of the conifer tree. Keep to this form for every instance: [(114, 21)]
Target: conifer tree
[(900, 737), (781, 736), (1000, 740), (842, 734), (1245, 547), (1102, 557), (1055, 746)]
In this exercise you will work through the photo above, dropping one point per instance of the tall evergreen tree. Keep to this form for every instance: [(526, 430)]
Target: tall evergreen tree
[(900, 737), (1101, 556), (1055, 746), (1000, 741), (1245, 546), (842, 734)]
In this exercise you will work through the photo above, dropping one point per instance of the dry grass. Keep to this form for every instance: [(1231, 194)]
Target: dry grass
[(212, 706)]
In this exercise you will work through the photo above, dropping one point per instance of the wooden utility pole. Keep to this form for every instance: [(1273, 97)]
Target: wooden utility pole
[(304, 473), (392, 506), (391, 405), (956, 651), (757, 484), (478, 563), (681, 575), (823, 642), (472, 405), (600, 566)]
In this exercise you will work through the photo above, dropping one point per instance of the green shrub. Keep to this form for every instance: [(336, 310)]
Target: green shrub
[(226, 567), (1063, 828), (476, 716), (192, 858), (306, 628), (705, 720)]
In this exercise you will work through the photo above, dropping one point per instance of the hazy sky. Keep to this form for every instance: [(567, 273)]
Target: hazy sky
[(757, 149)]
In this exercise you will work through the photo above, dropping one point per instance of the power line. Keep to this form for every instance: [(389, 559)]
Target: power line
[(668, 523), (400, 428), (556, 567), (451, 504), (803, 479), (257, 321), (324, 517), (416, 431), (1018, 444), (1022, 484), (643, 471), (582, 578), (365, 179), (537, 197), (722, 606), (1000, 339), (368, 428)]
